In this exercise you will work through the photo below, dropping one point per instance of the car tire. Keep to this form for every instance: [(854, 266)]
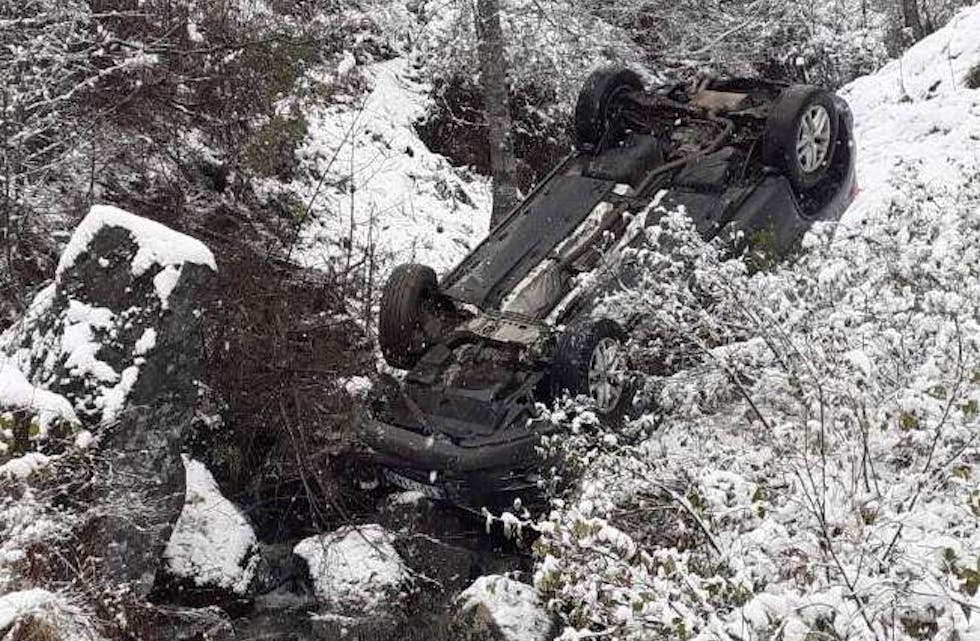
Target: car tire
[(596, 108), (576, 368), (401, 322), (801, 135)]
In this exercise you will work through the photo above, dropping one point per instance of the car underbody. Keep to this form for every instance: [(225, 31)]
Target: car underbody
[(500, 333)]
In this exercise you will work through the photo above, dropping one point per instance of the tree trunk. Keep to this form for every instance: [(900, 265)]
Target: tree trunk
[(912, 19), (493, 83)]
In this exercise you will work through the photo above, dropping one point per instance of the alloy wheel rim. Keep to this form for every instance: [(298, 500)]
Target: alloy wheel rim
[(607, 374), (813, 138)]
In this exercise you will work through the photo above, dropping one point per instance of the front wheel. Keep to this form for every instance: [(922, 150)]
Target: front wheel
[(590, 360)]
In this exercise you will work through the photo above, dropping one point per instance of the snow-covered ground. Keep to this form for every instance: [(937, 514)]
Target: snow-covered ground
[(819, 476), (916, 113), (374, 185)]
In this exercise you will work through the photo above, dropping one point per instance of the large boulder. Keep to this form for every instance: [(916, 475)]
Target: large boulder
[(118, 333), (497, 608)]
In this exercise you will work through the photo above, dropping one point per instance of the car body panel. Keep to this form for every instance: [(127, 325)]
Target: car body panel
[(533, 230)]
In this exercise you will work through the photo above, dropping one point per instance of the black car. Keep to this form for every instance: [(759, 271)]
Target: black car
[(510, 326)]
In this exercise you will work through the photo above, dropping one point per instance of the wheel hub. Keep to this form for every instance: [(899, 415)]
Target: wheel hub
[(607, 374), (813, 139)]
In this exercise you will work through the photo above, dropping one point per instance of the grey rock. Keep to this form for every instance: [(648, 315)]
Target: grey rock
[(497, 608), (140, 418)]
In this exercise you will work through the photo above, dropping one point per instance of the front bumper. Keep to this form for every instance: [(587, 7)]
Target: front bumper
[(398, 447)]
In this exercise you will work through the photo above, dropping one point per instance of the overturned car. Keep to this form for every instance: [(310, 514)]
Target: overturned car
[(510, 326)]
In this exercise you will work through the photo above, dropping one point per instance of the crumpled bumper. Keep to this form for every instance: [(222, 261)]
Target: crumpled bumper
[(395, 446)]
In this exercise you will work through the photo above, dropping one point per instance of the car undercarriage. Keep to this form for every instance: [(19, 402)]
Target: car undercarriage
[(509, 328)]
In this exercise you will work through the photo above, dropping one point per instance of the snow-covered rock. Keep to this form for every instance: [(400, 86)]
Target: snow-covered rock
[(213, 546), (117, 335), (354, 570), (497, 608), (93, 332)]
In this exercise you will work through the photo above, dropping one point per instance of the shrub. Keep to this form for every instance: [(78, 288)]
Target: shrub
[(786, 487)]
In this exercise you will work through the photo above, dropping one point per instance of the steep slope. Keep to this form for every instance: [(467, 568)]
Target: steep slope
[(918, 112), (817, 473), (377, 188)]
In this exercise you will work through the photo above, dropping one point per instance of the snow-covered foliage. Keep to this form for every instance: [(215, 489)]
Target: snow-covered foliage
[(576, 41), (355, 570), (512, 608), (213, 545), (40, 614), (814, 467), (58, 53), (44, 408), (28, 525)]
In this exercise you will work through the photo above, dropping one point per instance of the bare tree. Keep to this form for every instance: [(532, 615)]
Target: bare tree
[(912, 19), (493, 83)]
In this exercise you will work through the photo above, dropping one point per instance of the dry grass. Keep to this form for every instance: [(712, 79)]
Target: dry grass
[(33, 628)]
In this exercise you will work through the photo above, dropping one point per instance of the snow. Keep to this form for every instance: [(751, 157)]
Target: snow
[(79, 343), (514, 608), (146, 342), (194, 33), (17, 604), (213, 544), (382, 187), (113, 401), (917, 112), (63, 619), (18, 394), (354, 569), (22, 467), (156, 243), (356, 386), (165, 282), (84, 439)]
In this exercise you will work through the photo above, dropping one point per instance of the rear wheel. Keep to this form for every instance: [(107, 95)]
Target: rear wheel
[(801, 134), (599, 105), (407, 300), (590, 360)]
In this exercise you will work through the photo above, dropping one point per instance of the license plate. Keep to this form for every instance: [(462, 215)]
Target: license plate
[(406, 483)]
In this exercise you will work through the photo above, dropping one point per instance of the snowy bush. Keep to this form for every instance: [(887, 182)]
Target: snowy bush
[(815, 467), (835, 40)]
